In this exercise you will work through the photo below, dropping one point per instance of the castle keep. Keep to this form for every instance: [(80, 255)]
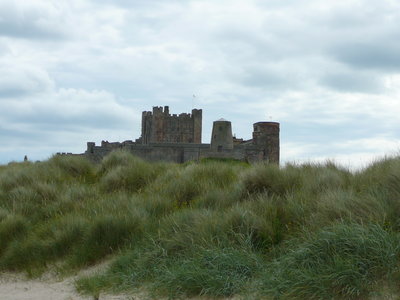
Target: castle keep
[(160, 127), (177, 138)]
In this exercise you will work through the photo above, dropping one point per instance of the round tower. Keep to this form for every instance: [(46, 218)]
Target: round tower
[(266, 136), (221, 138)]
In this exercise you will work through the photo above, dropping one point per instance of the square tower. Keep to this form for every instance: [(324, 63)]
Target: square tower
[(159, 126)]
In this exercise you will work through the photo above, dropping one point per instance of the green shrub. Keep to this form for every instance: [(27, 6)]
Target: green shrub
[(378, 171), (259, 225), (201, 271), (211, 227), (121, 171), (343, 261), (192, 228), (157, 206), (382, 181), (66, 234), (318, 178), (347, 205), (218, 199), (176, 231), (17, 176), (3, 213), (22, 200), (210, 272), (77, 167), (49, 242), (130, 179), (268, 178), (76, 198), (117, 158), (194, 180), (106, 235), (129, 271), (266, 220), (11, 227), (34, 201), (26, 254)]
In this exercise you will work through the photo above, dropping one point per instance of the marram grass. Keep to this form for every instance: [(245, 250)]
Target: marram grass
[(213, 228)]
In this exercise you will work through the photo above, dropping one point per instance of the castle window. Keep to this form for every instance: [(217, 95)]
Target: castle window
[(219, 148)]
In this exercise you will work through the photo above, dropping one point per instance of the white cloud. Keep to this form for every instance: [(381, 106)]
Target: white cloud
[(68, 109), (328, 71), (17, 80)]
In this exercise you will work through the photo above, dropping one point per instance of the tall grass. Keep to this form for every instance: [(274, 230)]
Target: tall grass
[(344, 262), (208, 271), (43, 244), (11, 227), (214, 228), (122, 171), (106, 235)]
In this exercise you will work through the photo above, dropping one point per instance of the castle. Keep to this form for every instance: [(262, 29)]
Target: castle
[(177, 138)]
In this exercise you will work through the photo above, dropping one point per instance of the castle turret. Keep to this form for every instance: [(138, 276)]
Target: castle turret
[(221, 138), (90, 147), (266, 136), (197, 115)]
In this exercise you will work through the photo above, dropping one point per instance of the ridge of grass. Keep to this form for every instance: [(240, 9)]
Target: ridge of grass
[(213, 228)]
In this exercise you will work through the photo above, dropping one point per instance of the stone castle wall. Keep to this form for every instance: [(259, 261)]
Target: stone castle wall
[(177, 138), (177, 152)]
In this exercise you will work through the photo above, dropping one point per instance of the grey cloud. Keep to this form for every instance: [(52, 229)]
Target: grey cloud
[(54, 121), (15, 134), (28, 30), (67, 110), (379, 55), (267, 77), (136, 3), (307, 132), (354, 15), (349, 81), (24, 20), (10, 92), (62, 121)]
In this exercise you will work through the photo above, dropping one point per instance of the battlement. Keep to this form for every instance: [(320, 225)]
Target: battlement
[(164, 111)]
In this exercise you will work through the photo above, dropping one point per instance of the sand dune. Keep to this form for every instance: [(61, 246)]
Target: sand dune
[(16, 287)]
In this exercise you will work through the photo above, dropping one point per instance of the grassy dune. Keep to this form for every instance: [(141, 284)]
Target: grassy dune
[(214, 228)]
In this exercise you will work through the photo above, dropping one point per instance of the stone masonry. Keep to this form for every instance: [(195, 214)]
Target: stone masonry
[(177, 138)]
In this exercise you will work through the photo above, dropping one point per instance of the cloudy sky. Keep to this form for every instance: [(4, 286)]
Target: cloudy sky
[(73, 71)]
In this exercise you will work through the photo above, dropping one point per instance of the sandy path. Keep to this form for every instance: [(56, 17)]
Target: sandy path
[(16, 287), (13, 287)]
